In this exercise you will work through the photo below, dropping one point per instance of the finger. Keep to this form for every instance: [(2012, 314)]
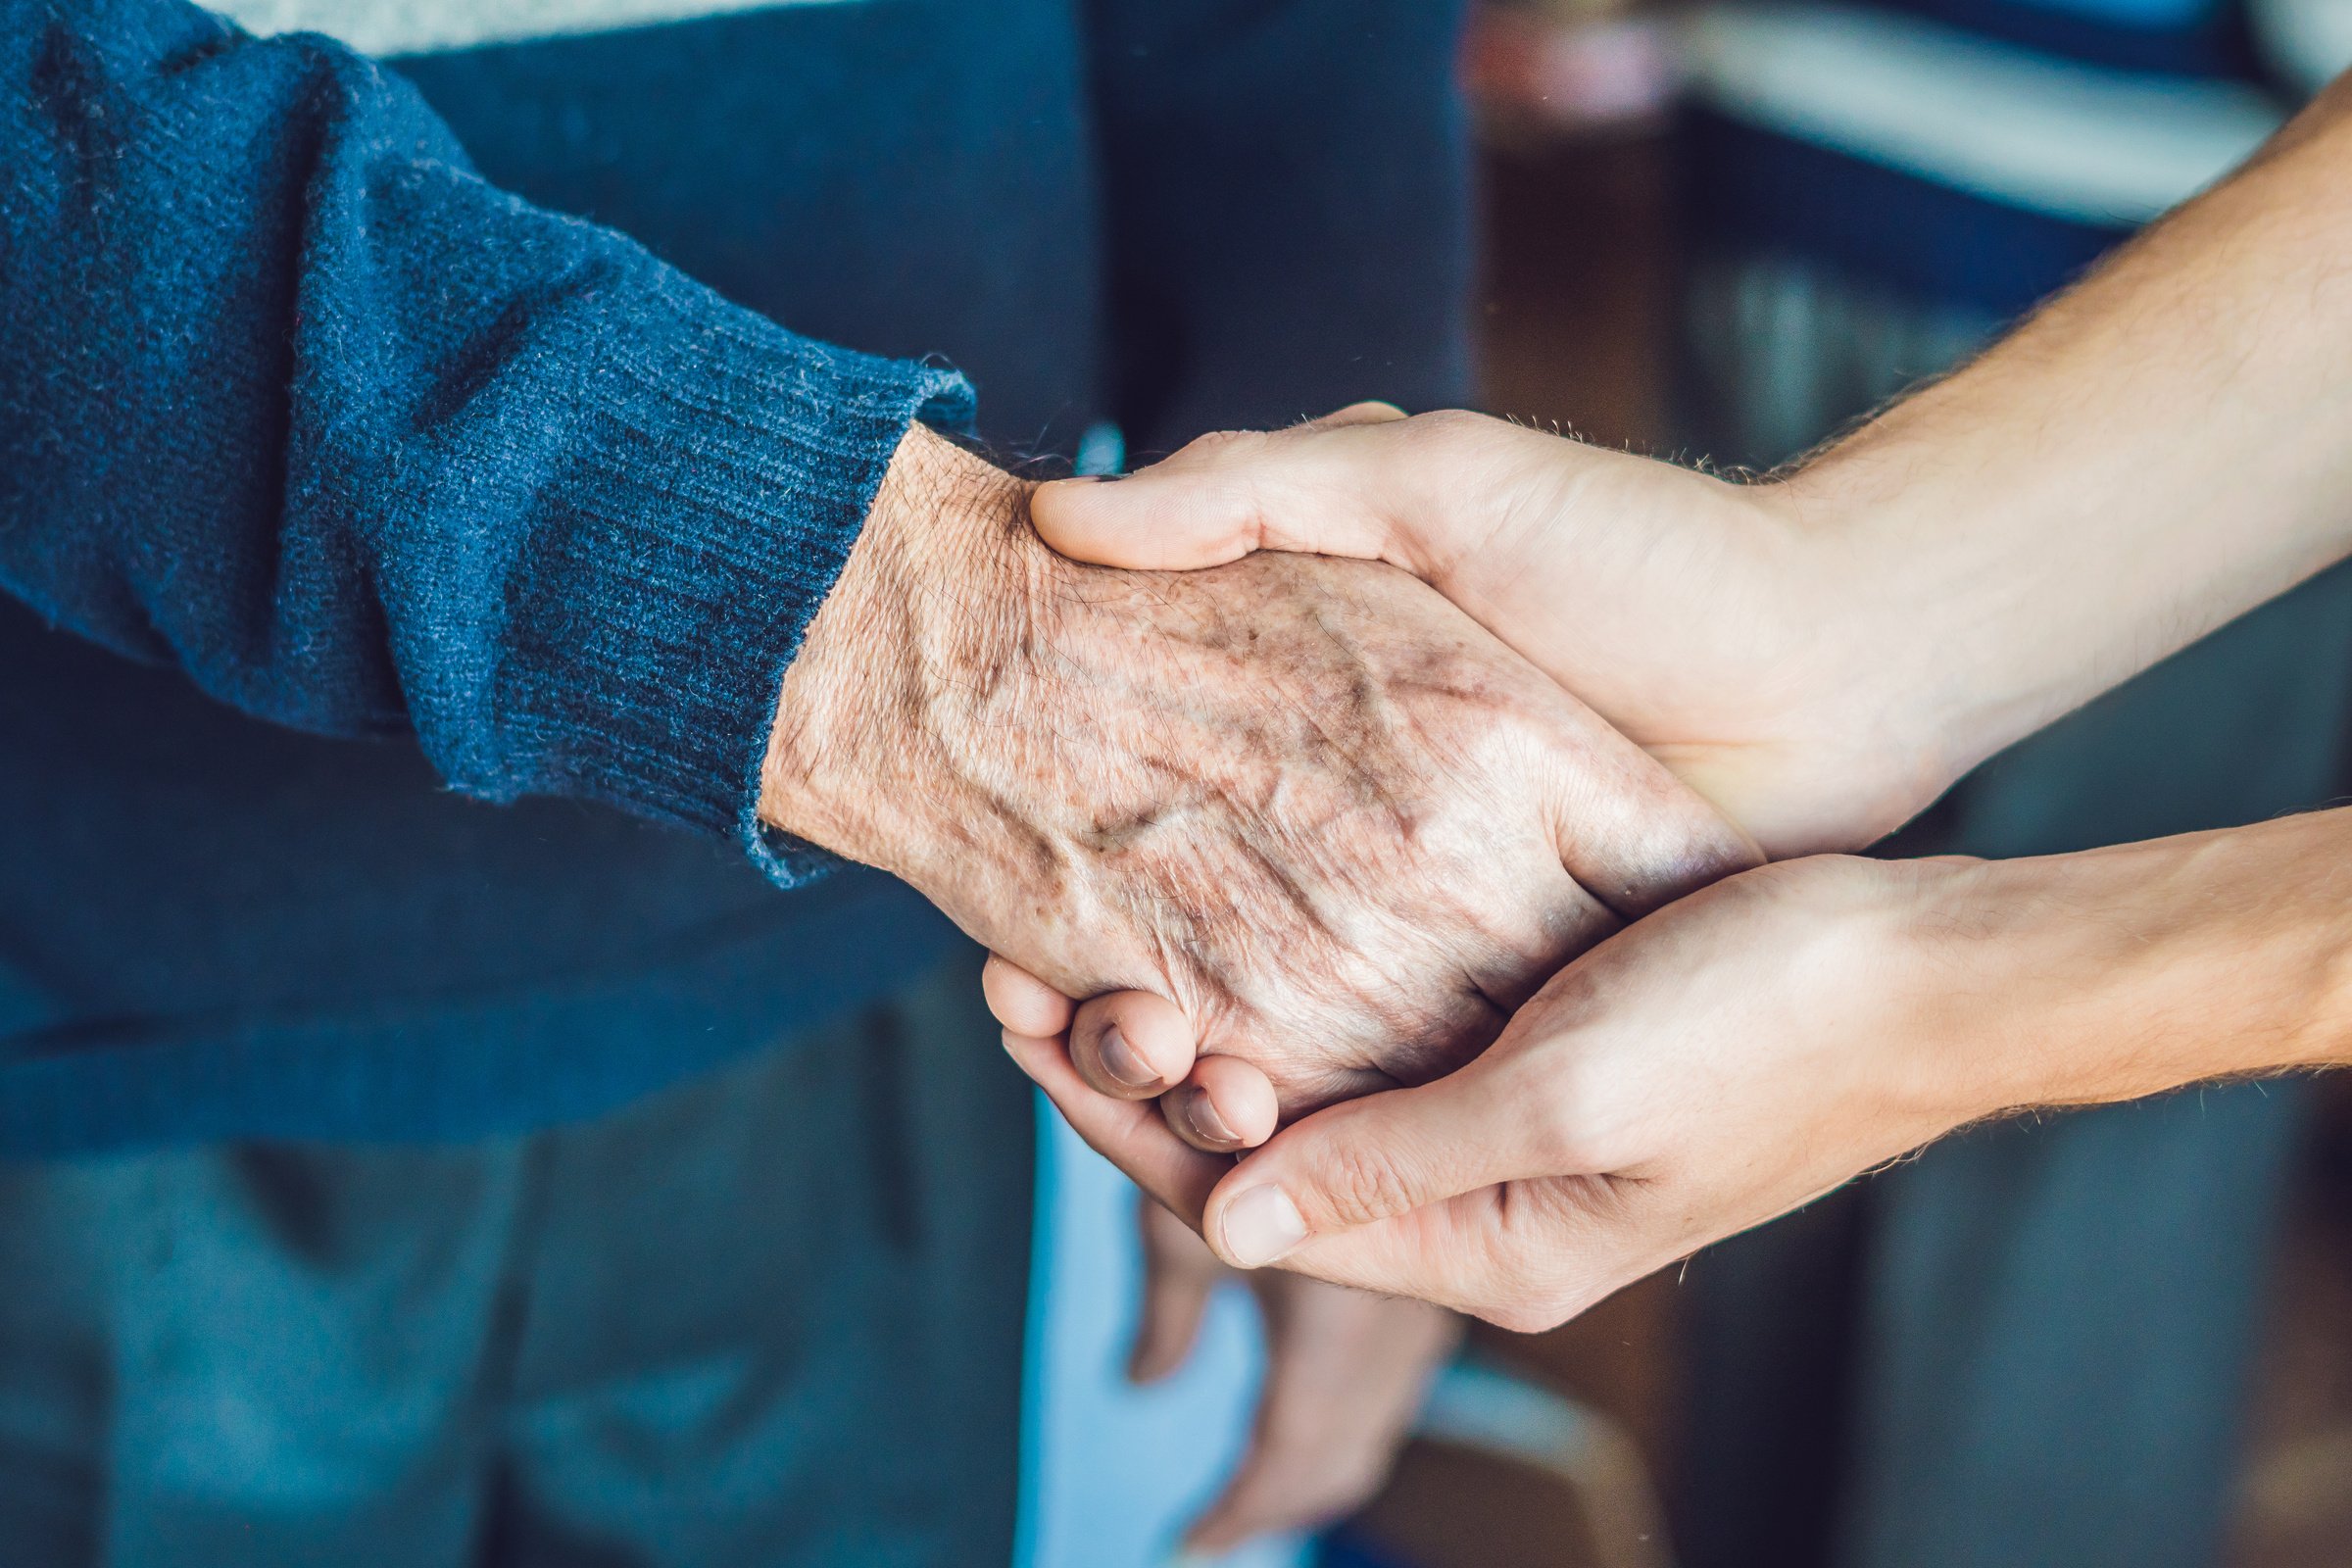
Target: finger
[(1021, 1001), (1630, 832), (1525, 1254), (1131, 1045), (1180, 1275), (1225, 1107), (1130, 1134), (1382, 1157), (1322, 488)]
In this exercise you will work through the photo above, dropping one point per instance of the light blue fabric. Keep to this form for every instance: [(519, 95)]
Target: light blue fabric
[(1111, 1473)]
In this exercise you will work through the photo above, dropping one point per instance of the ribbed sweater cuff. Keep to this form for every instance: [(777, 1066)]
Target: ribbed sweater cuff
[(734, 467)]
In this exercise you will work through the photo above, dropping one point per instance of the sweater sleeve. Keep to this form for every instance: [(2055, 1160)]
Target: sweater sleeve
[(1288, 190), (294, 401)]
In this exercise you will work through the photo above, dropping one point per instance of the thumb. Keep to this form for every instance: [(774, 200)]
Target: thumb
[(1387, 1154), (1309, 489)]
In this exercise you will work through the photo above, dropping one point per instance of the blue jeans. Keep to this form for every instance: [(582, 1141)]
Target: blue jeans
[(771, 1318)]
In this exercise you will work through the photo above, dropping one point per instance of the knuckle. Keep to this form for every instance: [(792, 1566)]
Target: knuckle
[(1529, 1288), (1537, 1305), (1515, 1317), (1219, 446), (1363, 411), (1358, 1187)]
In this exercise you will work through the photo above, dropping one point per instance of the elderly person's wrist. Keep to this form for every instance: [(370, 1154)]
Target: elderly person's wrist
[(931, 604)]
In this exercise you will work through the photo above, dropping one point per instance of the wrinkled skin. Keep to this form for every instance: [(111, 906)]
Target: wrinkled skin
[(1341, 827), (1702, 618)]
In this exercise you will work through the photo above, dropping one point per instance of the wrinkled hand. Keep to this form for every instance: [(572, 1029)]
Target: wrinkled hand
[(1713, 1065), (1345, 1374), (1337, 827)]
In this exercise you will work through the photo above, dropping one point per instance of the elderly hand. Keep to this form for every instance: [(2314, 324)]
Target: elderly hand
[(1722, 626), (1339, 828), (1345, 1374)]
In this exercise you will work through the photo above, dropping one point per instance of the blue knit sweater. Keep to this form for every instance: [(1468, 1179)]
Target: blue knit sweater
[(301, 412)]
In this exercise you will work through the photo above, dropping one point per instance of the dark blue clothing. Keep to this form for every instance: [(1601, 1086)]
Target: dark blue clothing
[(712, 1330), (1760, 191), (2174, 38), (399, 489)]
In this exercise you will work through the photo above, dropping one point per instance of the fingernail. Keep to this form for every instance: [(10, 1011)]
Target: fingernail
[(1202, 1112), (1123, 1062), (1260, 1226)]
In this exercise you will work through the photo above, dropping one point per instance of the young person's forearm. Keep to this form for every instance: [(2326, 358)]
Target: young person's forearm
[(2113, 973), (2158, 451), (1839, 1013)]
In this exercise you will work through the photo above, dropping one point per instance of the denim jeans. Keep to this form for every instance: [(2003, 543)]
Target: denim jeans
[(771, 1318)]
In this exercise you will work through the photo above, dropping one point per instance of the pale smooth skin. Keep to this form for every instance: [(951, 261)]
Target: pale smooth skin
[(2158, 451)]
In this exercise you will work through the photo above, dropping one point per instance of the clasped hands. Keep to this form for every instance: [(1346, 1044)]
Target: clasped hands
[(1652, 1086), (1411, 846), (1411, 870)]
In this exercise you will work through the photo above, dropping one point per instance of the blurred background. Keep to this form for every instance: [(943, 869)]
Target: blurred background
[(1720, 234)]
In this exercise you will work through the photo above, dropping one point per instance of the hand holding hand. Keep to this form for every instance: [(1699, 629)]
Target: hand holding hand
[(1338, 827), (1734, 631), (1975, 561), (1715, 1064), (1740, 1052), (1722, 626)]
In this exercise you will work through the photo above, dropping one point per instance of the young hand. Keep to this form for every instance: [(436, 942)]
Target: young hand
[(1761, 1042)]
